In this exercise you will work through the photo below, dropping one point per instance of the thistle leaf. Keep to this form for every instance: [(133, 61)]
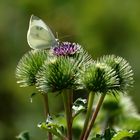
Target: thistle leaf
[(23, 136), (109, 133), (79, 106), (52, 127), (123, 135)]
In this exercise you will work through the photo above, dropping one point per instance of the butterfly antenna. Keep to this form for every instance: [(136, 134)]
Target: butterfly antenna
[(57, 35), (66, 36)]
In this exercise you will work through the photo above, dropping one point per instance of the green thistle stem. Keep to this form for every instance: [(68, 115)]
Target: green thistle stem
[(88, 114), (91, 123), (68, 99), (46, 109)]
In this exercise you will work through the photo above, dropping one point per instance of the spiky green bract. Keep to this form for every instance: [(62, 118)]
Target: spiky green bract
[(62, 72), (57, 75), (82, 59), (123, 71), (28, 67), (99, 78)]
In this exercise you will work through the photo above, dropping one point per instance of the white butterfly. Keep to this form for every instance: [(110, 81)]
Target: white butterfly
[(39, 35)]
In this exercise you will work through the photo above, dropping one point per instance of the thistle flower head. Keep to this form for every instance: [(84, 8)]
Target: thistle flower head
[(99, 78), (123, 71), (28, 67), (66, 49), (57, 75)]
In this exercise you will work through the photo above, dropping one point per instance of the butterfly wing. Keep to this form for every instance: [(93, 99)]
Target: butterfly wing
[(39, 35)]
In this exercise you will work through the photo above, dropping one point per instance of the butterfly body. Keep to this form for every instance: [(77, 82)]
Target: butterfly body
[(39, 35)]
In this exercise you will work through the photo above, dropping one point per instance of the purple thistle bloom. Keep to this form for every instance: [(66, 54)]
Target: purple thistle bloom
[(66, 49)]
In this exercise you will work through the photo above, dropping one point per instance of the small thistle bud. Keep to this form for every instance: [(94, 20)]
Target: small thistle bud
[(99, 78), (66, 49), (123, 71), (28, 67), (57, 75)]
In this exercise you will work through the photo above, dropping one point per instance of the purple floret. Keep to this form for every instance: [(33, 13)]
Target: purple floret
[(66, 49)]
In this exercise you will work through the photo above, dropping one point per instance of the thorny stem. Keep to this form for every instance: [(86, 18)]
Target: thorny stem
[(68, 100), (91, 123), (88, 115), (46, 110)]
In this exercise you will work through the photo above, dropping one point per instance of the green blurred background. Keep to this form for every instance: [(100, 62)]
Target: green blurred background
[(101, 27)]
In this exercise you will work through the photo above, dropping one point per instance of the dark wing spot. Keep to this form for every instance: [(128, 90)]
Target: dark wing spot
[(39, 28)]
